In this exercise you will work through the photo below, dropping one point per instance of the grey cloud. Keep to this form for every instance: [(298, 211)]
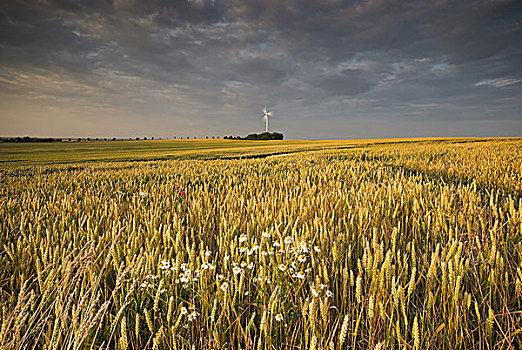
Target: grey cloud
[(224, 59), (263, 71), (348, 82), (498, 83)]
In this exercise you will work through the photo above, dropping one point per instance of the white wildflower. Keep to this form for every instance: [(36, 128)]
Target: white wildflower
[(192, 316), (164, 264)]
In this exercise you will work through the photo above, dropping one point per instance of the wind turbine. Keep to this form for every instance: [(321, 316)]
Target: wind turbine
[(266, 117)]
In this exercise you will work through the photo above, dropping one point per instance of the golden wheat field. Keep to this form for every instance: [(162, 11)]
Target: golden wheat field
[(340, 245)]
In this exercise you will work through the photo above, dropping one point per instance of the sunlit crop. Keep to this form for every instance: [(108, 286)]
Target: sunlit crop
[(414, 245)]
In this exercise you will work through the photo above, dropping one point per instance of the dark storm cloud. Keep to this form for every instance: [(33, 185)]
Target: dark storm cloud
[(203, 63)]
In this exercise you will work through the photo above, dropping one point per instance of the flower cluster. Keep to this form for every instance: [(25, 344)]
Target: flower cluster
[(190, 314), (252, 259)]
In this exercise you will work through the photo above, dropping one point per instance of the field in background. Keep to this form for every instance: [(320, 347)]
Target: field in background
[(220, 244), (74, 152)]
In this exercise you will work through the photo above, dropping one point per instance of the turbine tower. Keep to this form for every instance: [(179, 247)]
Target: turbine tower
[(266, 117)]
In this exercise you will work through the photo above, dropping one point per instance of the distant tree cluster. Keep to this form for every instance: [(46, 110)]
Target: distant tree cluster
[(30, 139), (55, 139), (263, 136)]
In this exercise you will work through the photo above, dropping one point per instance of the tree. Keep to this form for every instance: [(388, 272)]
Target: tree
[(265, 136)]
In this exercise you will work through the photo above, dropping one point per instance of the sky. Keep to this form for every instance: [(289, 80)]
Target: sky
[(329, 69)]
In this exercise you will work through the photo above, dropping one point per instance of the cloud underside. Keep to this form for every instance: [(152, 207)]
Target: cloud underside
[(211, 66)]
